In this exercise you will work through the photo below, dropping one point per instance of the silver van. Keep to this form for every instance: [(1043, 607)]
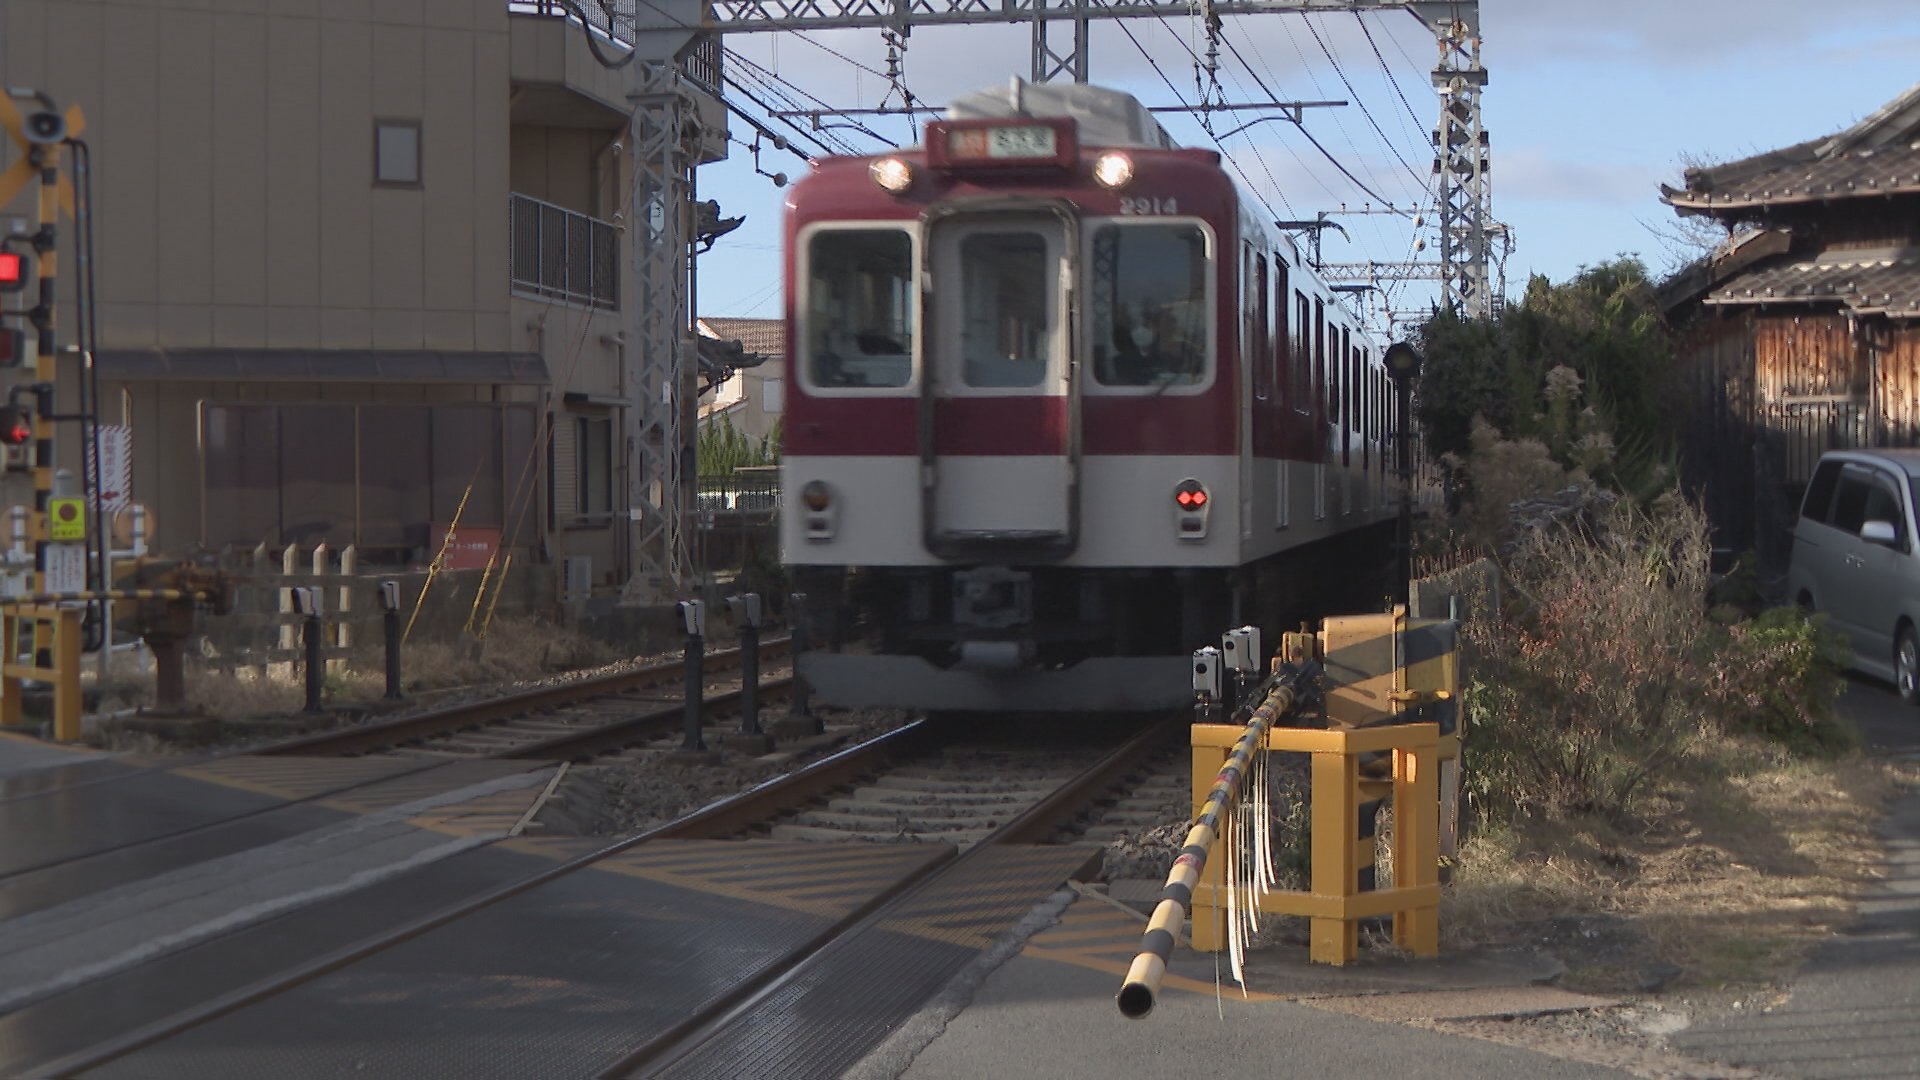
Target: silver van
[(1854, 558)]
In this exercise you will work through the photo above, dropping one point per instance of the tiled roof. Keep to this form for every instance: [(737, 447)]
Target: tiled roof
[(1876, 282), (1862, 173), (762, 337), (1877, 157)]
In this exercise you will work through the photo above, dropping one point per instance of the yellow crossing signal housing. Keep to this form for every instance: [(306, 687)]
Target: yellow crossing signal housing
[(1388, 668)]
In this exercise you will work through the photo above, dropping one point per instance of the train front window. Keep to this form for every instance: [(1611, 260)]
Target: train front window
[(859, 308), (1148, 305), (1005, 326)]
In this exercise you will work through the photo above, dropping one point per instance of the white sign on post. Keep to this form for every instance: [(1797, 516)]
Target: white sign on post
[(66, 568), (116, 467)]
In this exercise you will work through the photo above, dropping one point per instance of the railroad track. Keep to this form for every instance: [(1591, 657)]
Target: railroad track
[(1048, 814), (563, 721)]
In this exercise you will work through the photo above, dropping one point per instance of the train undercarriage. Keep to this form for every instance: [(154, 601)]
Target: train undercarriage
[(1052, 638)]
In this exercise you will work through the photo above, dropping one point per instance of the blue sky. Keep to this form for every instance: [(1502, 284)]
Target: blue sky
[(1590, 106)]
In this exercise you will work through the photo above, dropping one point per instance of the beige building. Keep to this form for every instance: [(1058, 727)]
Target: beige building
[(358, 262), (754, 398)]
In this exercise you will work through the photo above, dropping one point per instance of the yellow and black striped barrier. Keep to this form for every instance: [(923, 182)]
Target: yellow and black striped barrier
[(1142, 984), (1392, 696), (52, 599)]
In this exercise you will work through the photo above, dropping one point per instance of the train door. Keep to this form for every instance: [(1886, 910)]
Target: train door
[(998, 419)]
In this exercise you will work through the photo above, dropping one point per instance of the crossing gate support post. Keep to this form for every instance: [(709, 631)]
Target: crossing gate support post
[(1335, 903), (56, 638)]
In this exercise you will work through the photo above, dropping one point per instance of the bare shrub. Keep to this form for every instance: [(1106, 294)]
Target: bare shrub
[(1501, 472), (1588, 682)]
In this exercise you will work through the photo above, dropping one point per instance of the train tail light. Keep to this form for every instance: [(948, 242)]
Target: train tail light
[(1112, 170), (892, 174), (1191, 502), (819, 512)]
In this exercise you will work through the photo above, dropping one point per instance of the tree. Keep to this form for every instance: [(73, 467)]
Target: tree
[(1604, 326)]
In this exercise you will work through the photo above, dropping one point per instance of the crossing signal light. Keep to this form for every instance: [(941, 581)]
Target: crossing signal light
[(13, 272), (13, 347), (16, 425)]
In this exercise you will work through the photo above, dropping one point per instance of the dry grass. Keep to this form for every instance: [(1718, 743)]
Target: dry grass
[(516, 649), (1731, 878)]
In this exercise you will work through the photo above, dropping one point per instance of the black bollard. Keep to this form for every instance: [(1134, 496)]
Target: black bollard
[(746, 612), (390, 603), (308, 602), (693, 614), (797, 708)]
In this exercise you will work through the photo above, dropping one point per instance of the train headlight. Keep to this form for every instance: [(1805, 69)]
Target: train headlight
[(818, 520), (1112, 170), (892, 174), (1190, 502)]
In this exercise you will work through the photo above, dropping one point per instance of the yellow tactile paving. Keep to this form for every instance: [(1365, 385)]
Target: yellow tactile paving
[(1098, 937), (290, 778), (727, 868)]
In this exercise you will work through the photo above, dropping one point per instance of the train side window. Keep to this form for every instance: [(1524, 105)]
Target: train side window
[(1320, 352), (1260, 358), (857, 328), (1300, 389), (1282, 358), (1151, 322)]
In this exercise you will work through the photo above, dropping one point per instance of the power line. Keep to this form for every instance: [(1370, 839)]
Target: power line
[(1368, 31), (1177, 96), (1364, 111), (1324, 152)]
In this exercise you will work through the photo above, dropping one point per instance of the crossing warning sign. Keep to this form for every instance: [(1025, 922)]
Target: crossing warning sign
[(66, 519)]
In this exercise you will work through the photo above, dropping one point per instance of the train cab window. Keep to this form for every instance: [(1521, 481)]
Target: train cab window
[(1149, 311), (1006, 327), (859, 315)]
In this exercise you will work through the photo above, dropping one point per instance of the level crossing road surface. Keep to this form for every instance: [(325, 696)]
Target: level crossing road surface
[(1036, 1003)]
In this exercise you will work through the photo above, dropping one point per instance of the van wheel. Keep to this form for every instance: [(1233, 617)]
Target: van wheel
[(1906, 666)]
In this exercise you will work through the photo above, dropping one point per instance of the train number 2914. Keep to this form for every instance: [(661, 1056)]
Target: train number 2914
[(1149, 204)]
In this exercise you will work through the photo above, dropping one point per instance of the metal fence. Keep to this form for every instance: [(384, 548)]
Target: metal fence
[(563, 255)]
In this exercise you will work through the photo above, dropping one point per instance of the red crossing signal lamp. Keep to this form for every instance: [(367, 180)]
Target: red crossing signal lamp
[(16, 425), (13, 272)]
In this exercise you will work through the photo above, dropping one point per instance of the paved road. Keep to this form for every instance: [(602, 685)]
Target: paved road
[(1855, 1009)]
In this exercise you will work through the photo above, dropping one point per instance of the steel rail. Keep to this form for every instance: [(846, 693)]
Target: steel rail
[(599, 739), (1033, 825), (766, 799), (363, 738)]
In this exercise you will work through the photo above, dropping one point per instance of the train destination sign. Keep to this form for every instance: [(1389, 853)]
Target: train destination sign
[(1002, 142)]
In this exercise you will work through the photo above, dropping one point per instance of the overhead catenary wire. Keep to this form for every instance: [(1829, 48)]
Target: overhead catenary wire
[(1357, 100), (1393, 80), (1177, 96)]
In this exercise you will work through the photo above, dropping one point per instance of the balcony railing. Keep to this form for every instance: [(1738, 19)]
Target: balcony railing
[(563, 255)]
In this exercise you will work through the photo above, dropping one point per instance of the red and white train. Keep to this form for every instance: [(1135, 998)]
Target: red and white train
[(1062, 408)]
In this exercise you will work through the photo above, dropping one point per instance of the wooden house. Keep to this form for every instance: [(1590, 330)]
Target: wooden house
[(1802, 333)]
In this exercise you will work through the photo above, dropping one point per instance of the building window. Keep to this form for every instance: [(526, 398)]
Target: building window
[(594, 468), (773, 395), (396, 152)]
